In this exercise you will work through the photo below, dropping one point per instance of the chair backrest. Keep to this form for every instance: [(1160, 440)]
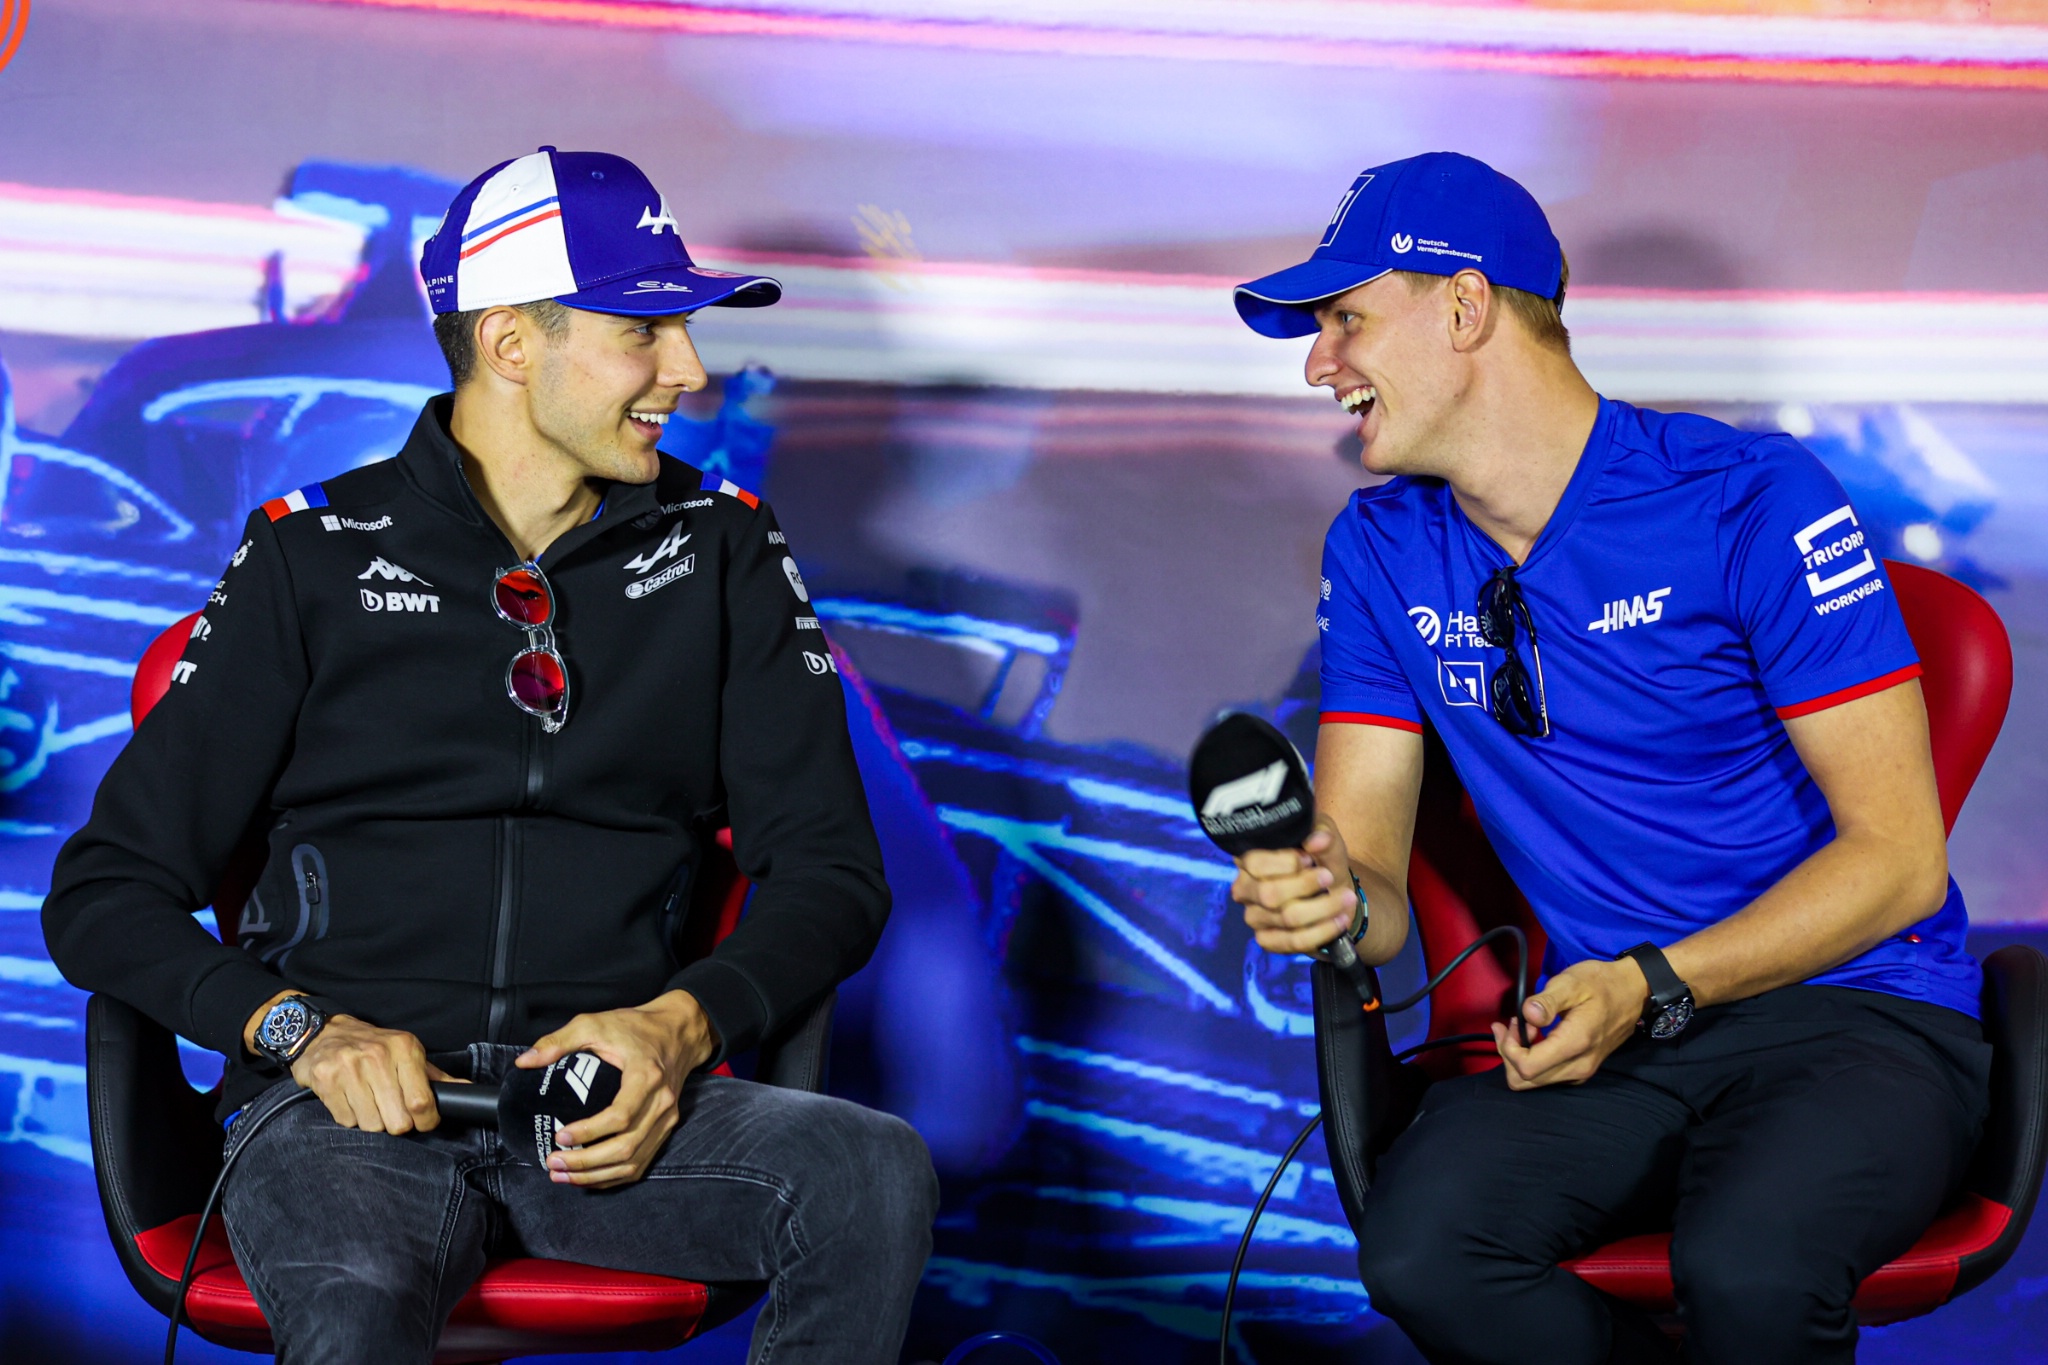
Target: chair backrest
[(1459, 888)]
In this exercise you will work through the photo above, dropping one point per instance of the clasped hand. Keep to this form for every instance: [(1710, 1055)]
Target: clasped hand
[(1575, 1023), (377, 1079)]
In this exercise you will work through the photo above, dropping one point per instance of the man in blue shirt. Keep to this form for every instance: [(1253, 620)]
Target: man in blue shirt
[(1670, 672)]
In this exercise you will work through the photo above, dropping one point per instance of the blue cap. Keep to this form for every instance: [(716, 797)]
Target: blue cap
[(585, 229), (1438, 213)]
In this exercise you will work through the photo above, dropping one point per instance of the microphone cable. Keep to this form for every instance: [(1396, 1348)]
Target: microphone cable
[(206, 1213), (1406, 1003)]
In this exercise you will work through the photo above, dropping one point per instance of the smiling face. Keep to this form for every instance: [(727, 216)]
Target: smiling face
[(1385, 351), (601, 388)]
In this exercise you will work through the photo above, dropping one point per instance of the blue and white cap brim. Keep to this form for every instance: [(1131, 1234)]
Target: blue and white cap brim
[(1282, 304), (663, 291)]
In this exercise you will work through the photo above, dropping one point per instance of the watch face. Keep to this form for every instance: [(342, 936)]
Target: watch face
[(1672, 1018), (284, 1026)]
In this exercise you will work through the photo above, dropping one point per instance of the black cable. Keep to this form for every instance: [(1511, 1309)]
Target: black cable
[(1244, 1242), (1451, 1040), (206, 1215), (1521, 1026)]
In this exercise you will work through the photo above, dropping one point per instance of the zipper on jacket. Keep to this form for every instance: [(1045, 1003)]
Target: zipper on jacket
[(501, 929)]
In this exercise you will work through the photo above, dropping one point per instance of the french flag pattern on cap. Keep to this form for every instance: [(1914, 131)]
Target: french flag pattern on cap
[(714, 483), (298, 500), (513, 246)]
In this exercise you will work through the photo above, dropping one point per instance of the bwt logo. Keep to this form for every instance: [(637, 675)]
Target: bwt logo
[(13, 23), (400, 601)]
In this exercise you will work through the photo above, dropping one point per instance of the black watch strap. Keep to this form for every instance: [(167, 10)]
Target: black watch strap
[(1664, 983), (1669, 1008), (285, 1033)]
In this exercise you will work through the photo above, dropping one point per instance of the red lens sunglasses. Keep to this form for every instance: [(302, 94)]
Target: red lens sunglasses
[(537, 679)]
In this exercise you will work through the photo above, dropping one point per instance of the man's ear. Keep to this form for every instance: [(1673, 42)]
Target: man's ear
[(1471, 320), (507, 344)]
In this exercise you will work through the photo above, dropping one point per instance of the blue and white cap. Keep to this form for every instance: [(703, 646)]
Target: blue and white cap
[(1438, 213), (585, 229)]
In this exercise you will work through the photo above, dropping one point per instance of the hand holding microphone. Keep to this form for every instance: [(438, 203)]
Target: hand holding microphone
[(1251, 793), (531, 1108)]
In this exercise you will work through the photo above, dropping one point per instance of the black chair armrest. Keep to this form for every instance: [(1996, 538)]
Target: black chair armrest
[(796, 1057), (1368, 1098), (155, 1146), (2007, 1167)]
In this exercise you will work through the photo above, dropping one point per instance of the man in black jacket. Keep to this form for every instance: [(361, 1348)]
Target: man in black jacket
[(485, 699)]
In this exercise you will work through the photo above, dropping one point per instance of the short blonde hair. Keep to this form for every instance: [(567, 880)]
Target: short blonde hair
[(1541, 318)]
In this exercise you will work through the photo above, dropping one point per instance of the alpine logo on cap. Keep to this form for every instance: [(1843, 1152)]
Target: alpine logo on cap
[(655, 223)]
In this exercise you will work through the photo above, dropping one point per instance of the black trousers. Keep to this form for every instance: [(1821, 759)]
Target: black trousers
[(1793, 1143)]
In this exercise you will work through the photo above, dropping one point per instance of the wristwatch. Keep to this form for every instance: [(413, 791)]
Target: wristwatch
[(1669, 1008), (288, 1028), (1364, 916)]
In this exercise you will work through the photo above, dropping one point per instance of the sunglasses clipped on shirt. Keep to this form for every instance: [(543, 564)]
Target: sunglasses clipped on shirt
[(537, 679), (1518, 700)]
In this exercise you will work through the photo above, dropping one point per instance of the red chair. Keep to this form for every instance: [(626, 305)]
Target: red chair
[(1459, 890), (157, 1150)]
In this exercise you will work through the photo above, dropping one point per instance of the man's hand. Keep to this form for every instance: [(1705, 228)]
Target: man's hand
[(370, 1078), (1589, 1008), (1297, 899), (655, 1047)]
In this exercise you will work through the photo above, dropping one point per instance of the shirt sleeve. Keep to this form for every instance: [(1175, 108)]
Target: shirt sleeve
[(175, 805), (799, 814), (1805, 580), (1362, 681)]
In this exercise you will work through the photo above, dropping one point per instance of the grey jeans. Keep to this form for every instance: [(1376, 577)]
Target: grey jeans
[(358, 1245)]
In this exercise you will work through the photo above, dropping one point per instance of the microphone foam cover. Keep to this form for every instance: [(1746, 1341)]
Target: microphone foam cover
[(1250, 787), (535, 1105)]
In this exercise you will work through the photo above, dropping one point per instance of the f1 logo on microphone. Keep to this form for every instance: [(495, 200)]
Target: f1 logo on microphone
[(582, 1071)]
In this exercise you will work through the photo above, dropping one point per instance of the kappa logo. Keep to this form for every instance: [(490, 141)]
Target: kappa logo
[(1463, 684), (582, 1071), (1624, 612), (240, 555), (671, 546), (796, 580), (386, 570), (200, 629), (334, 523), (820, 663), (1428, 624), (1261, 788), (182, 671), (1402, 243), (682, 568), (656, 222)]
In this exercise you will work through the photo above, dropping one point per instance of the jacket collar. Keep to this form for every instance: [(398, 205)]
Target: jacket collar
[(432, 460)]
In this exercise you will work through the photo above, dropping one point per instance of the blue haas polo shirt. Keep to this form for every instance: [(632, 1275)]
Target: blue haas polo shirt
[(1696, 587)]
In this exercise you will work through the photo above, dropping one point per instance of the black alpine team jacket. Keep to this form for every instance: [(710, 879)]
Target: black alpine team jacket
[(437, 863)]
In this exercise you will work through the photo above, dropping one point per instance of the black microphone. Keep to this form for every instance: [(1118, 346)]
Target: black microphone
[(531, 1107), (1251, 790)]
